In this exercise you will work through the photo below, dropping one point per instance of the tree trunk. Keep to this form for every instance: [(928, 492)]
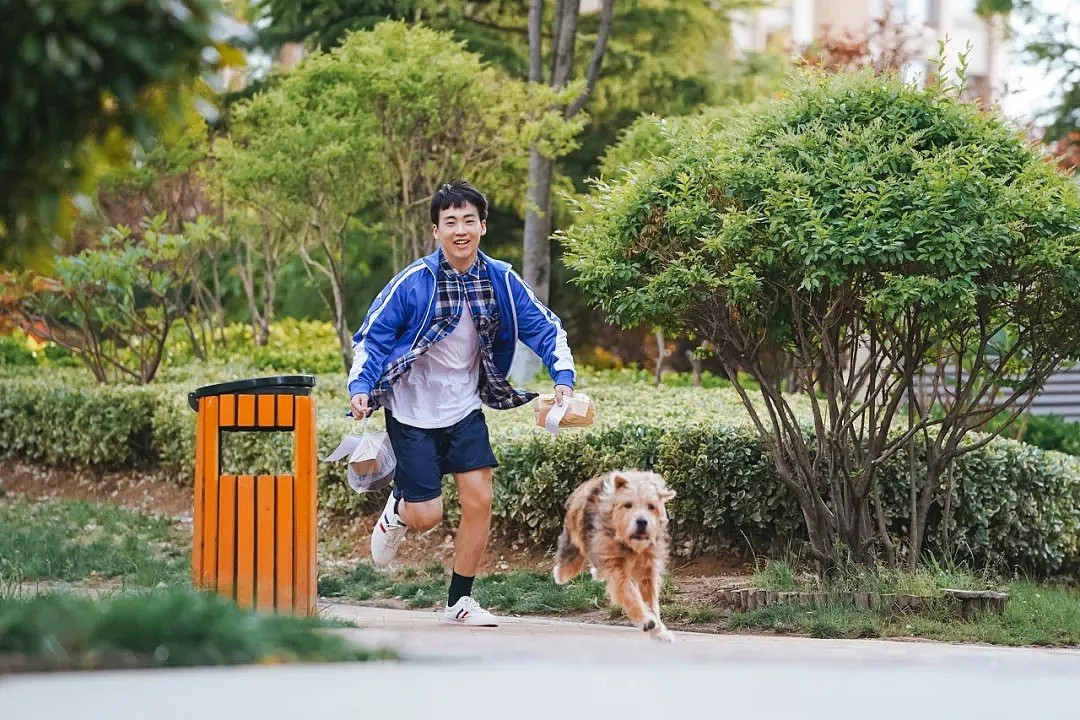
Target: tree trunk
[(537, 241), (538, 224), (695, 367), (660, 349), (537, 269)]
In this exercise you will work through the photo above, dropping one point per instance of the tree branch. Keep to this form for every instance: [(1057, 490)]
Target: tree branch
[(597, 59)]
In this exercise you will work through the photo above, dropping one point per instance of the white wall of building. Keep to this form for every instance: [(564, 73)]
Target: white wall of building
[(793, 24)]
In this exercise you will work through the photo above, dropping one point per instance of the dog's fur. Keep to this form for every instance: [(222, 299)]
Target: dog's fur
[(617, 524)]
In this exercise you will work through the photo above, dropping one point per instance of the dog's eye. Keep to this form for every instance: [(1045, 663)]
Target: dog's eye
[(651, 506), (628, 505)]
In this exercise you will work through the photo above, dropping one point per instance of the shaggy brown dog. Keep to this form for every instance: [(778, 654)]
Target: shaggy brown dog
[(618, 525)]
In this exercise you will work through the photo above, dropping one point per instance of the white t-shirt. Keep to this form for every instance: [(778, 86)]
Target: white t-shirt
[(443, 385)]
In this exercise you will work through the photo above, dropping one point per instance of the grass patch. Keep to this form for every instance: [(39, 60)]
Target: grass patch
[(775, 575), (516, 592), (928, 580), (689, 614), (176, 628), (1034, 615), (71, 540)]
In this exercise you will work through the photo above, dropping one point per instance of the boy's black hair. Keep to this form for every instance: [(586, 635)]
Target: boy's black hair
[(455, 194)]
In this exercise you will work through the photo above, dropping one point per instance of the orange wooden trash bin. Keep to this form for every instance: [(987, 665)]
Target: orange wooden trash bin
[(255, 535)]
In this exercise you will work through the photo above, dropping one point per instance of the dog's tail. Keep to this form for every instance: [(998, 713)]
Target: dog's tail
[(569, 560)]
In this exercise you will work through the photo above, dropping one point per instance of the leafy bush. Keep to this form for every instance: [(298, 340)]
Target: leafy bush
[(58, 421), (174, 629), (859, 212), (1013, 505), (18, 350), (112, 306), (15, 353), (1049, 432), (306, 346)]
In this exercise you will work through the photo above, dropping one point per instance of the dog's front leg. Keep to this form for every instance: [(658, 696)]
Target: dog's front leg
[(626, 594), (650, 590)]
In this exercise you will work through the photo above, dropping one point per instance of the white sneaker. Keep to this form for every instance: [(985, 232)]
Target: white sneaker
[(467, 611), (387, 534)]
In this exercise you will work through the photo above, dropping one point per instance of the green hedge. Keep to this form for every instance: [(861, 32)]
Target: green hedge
[(1014, 505), (75, 425), (1049, 432)]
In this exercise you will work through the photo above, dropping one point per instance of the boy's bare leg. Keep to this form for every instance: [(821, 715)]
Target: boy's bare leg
[(474, 490), (421, 516)]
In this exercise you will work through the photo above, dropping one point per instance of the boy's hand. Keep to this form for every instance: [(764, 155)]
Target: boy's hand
[(561, 391), (359, 405)]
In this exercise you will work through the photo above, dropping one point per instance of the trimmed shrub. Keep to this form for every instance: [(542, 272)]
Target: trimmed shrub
[(1049, 432), (14, 353), (1013, 505), (76, 425)]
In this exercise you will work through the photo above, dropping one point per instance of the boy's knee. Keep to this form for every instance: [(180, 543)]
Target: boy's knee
[(476, 499), (426, 515)]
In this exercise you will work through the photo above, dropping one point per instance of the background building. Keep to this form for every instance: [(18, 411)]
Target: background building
[(793, 25)]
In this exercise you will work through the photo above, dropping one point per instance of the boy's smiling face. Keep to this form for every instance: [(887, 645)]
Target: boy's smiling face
[(459, 232)]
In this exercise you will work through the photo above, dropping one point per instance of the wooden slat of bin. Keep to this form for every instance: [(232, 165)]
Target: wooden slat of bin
[(285, 411), (207, 497), (264, 544), (210, 532), (284, 567), (245, 541), (197, 512), (228, 411), (245, 411), (304, 483), (226, 560), (265, 406)]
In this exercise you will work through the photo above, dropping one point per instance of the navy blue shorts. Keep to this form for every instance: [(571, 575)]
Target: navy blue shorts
[(424, 455)]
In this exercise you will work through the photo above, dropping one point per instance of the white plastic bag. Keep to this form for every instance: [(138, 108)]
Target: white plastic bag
[(371, 459)]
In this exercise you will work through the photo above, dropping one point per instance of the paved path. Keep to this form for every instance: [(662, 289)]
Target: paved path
[(538, 668)]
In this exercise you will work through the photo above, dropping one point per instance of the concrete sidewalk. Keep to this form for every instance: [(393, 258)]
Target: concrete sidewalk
[(542, 668)]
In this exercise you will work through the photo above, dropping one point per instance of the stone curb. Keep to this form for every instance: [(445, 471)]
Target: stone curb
[(967, 604)]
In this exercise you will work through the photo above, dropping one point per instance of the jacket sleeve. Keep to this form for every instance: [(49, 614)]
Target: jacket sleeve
[(376, 336), (542, 332)]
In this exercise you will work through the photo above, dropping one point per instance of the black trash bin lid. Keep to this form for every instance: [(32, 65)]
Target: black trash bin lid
[(277, 385)]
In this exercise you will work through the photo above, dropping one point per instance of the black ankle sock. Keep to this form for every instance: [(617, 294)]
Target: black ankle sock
[(460, 586), (397, 501)]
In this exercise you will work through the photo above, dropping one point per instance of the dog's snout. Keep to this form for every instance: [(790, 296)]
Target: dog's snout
[(642, 524)]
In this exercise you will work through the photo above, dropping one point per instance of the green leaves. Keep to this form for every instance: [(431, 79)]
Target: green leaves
[(113, 306), (374, 125), (859, 228), (79, 82)]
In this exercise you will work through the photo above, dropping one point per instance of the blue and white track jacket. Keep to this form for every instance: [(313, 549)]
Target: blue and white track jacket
[(405, 309)]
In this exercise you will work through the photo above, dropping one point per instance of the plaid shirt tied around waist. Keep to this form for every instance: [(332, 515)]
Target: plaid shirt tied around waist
[(453, 290)]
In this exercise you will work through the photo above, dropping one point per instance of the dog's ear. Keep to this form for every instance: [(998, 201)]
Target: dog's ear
[(662, 489), (615, 480)]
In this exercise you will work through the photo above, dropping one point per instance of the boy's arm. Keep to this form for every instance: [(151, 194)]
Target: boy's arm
[(540, 329), (375, 338)]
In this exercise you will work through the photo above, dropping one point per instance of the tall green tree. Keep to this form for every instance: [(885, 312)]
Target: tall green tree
[(873, 231), (80, 81), (363, 133)]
